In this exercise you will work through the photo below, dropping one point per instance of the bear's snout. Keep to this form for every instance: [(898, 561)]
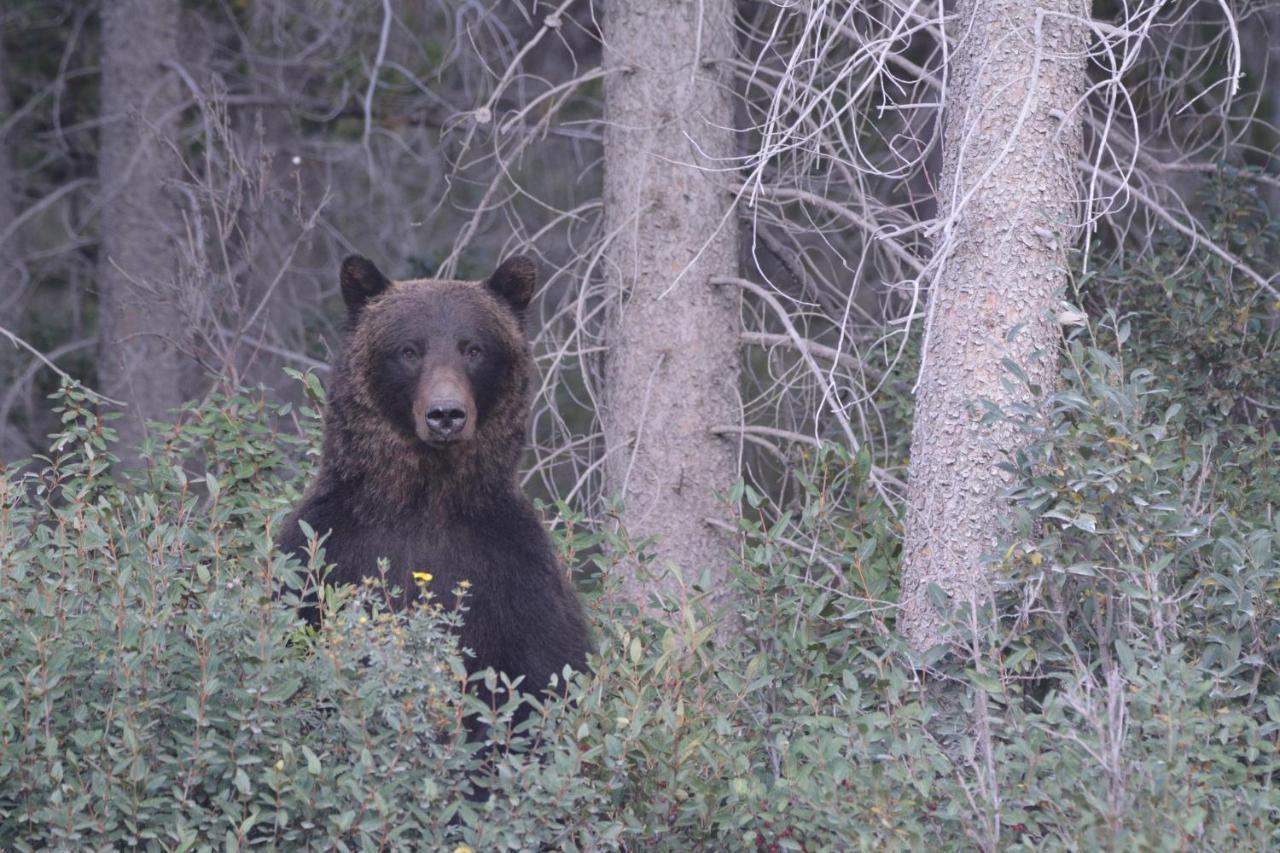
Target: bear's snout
[(446, 417), (443, 411)]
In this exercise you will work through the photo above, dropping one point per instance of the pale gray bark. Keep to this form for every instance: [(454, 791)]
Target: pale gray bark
[(1271, 63), (673, 345), (140, 325), (1011, 139), (8, 208), (11, 444)]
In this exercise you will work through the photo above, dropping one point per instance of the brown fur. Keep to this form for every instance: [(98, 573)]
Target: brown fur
[(390, 466), (391, 487)]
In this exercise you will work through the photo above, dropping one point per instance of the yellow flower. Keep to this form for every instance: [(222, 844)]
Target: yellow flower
[(363, 619), (462, 848), (422, 577)]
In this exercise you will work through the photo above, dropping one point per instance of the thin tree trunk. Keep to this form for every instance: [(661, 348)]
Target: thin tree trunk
[(8, 208), (673, 350), (138, 288), (11, 444), (1271, 60), (1011, 138)]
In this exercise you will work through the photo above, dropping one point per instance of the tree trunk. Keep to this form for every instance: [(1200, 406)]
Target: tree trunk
[(1007, 196), (11, 444), (138, 289), (1271, 60), (8, 207), (673, 345)]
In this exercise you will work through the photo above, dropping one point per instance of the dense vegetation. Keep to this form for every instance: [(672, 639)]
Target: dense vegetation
[(157, 694)]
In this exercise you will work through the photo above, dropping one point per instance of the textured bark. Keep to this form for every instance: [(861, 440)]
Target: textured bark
[(11, 444), (673, 347), (1007, 191), (8, 209), (1271, 60), (139, 317)]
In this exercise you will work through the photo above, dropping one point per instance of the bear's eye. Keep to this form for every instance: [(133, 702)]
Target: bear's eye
[(409, 354), (474, 352)]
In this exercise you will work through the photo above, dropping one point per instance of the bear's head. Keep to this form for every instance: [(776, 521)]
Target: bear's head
[(445, 364)]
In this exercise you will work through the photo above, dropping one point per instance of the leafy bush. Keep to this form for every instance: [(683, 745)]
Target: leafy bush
[(1141, 612), (156, 694)]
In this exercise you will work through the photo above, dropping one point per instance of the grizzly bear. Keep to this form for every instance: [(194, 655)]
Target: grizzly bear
[(425, 422)]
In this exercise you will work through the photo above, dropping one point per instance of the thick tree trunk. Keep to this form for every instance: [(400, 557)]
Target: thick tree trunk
[(138, 289), (1011, 139), (673, 346)]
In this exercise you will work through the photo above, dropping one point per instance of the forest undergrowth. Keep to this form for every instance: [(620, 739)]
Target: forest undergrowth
[(1119, 691)]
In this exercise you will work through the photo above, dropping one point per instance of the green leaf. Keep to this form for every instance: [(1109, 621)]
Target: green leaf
[(985, 682), (313, 761)]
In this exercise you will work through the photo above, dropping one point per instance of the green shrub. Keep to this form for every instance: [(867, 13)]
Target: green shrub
[(155, 693), (1140, 614)]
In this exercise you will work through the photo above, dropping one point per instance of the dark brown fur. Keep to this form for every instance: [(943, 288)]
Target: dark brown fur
[(451, 507)]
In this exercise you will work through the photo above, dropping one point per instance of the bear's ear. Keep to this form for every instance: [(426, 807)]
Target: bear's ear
[(514, 282), (361, 281)]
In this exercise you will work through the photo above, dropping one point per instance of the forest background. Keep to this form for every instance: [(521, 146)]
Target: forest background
[(909, 390)]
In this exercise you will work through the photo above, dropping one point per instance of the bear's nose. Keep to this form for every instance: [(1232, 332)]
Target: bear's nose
[(446, 417)]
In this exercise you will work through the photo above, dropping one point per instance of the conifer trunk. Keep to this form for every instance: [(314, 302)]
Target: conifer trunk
[(1008, 195), (138, 291), (673, 349)]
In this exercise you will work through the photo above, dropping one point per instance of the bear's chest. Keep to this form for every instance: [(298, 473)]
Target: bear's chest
[(505, 586), (450, 554), (501, 565)]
